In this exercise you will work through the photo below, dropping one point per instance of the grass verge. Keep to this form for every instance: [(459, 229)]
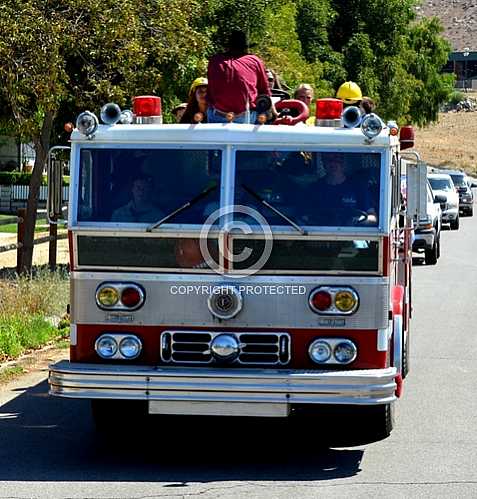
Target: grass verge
[(31, 309), (41, 225), (10, 373)]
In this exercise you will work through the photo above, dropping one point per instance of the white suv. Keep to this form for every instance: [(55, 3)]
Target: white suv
[(442, 183), (427, 232)]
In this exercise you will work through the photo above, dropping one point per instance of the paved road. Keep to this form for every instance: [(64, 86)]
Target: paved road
[(48, 448)]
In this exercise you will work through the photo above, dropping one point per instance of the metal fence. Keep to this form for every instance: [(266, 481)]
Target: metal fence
[(20, 193)]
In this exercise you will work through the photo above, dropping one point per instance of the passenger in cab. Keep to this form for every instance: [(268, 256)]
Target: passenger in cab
[(141, 207), (236, 79), (341, 199), (196, 109)]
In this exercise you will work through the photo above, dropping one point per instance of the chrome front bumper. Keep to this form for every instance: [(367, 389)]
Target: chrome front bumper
[(176, 386)]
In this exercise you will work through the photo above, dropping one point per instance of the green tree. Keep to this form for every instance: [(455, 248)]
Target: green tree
[(67, 55), (429, 54), (394, 58)]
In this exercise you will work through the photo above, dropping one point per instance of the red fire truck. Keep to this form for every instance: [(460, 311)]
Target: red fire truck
[(234, 269)]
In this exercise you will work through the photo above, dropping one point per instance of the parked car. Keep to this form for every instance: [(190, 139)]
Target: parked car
[(427, 230), (466, 196), (442, 183)]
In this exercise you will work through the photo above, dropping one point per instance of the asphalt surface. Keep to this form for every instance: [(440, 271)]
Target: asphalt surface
[(48, 448)]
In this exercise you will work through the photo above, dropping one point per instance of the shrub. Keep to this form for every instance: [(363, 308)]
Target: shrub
[(22, 178), (23, 332), (45, 293), (456, 97), (27, 305)]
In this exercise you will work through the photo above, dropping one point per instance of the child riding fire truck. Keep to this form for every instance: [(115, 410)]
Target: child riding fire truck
[(242, 270)]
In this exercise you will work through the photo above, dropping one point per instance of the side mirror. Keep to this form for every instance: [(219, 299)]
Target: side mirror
[(55, 201), (473, 185), (440, 198)]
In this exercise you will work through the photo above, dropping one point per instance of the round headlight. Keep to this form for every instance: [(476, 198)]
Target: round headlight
[(87, 123), (345, 352), (319, 351), (106, 347), (345, 301), (107, 296), (130, 347), (371, 125)]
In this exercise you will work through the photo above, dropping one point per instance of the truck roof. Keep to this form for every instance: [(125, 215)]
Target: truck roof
[(236, 134)]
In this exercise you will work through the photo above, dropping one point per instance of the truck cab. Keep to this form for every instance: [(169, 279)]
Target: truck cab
[(252, 270)]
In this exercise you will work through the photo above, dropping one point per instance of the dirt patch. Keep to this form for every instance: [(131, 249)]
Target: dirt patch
[(450, 142), (8, 259), (31, 364)]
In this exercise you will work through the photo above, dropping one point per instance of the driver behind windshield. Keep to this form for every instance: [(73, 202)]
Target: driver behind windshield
[(141, 207), (338, 199)]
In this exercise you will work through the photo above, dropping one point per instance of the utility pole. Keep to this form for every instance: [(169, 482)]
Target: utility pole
[(466, 54)]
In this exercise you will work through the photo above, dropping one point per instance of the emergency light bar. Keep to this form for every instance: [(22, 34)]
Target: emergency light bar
[(406, 137), (147, 109), (328, 112)]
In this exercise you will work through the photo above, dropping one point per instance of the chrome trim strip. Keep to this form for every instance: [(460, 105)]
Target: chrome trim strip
[(397, 342), (360, 387), (384, 335)]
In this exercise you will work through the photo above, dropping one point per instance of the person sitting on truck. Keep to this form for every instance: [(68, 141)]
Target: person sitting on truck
[(178, 111), (196, 110), (367, 105), (350, 93), (236, 79), (141, 207), (305, 93), (277, 87), (342, 199)]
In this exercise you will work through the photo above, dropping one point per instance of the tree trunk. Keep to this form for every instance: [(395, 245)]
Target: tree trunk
[(42, 144)]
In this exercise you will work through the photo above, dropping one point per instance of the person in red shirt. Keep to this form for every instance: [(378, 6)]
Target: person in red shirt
[(236, 78)]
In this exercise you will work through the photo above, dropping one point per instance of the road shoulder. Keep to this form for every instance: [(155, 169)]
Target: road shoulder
[(28, 371)]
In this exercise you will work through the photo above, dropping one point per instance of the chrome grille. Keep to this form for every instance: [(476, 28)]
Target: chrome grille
[(193, 347)]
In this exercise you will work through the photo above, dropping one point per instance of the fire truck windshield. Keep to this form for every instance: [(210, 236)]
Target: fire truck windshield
[(145, 185), (312, 189)]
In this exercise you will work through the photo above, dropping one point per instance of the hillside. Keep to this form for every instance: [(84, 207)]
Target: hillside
[(459, 18), (450, 142)]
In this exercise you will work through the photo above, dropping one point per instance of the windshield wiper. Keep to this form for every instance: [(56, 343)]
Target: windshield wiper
[(276, 210), (193, 201)]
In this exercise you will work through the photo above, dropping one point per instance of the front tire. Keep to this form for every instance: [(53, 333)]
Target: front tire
[(431, 256), (110, 416), (454, 224), (378, 422)]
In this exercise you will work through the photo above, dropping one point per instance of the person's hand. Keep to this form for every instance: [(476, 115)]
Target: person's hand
[(364, 218)]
